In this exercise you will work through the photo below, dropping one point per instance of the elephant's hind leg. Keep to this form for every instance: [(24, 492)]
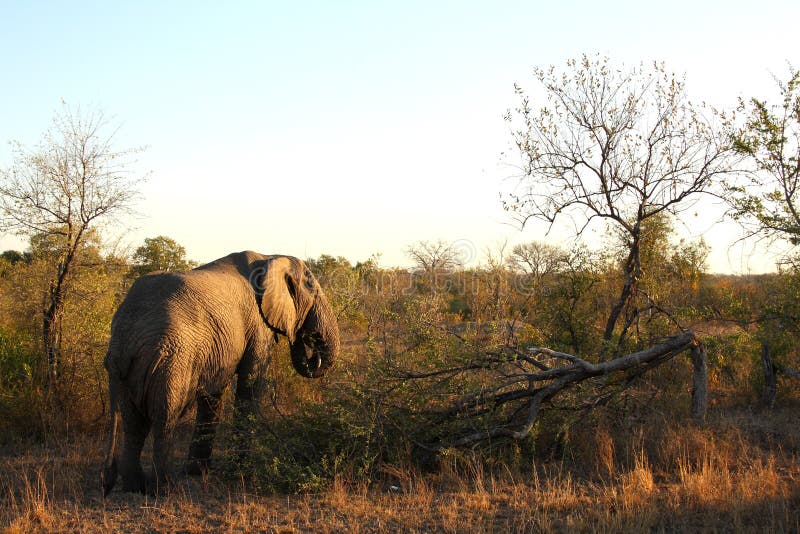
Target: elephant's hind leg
[(203, 437), (162, 454), (130, 466)]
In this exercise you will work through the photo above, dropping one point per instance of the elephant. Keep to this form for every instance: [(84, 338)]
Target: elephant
[(180, 337)]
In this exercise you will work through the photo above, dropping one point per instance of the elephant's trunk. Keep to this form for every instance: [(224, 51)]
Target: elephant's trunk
[(319, 335)]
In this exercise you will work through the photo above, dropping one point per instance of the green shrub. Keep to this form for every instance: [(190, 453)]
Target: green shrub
[(19, 394)]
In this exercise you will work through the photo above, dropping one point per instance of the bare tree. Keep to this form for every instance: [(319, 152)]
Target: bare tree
[(614, 144), (434, 256), (537, 259), (435, 260), (60, 189)]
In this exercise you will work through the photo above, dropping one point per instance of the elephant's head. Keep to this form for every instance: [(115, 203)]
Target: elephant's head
[(292, 303)]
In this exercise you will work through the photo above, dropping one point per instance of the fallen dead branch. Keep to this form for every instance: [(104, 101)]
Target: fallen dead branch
[(520, 382)]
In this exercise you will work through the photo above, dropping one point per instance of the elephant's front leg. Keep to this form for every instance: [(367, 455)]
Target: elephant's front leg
[(203, 437), (248, 391)]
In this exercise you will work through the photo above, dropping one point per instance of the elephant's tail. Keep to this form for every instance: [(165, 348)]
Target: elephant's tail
[(109, 476)]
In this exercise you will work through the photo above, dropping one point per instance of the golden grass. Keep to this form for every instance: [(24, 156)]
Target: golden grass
[(738, 474)]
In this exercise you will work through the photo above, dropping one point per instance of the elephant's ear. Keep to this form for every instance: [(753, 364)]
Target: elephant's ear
[(284, 299)]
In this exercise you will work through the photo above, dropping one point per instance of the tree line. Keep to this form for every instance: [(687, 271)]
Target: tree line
[(594, 143)]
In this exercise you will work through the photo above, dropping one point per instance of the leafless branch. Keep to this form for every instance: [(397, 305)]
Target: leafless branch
[(535, 376)]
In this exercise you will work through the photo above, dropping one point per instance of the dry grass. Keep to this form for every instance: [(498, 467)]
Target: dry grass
[(740, 473)]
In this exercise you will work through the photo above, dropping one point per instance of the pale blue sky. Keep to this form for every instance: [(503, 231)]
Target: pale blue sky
[(349, 128)]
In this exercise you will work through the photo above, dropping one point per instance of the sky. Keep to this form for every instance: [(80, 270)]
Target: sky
[(353, 128)]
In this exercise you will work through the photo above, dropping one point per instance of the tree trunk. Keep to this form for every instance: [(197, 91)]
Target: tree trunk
[(632, 273), (51, 328), (616, 311), (54, 311), (699, 382), (770, 382)]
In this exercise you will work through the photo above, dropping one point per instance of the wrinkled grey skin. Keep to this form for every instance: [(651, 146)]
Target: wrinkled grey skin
[(181, 337)]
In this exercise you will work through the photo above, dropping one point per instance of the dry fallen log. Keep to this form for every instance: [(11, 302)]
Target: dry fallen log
[(525, 380)]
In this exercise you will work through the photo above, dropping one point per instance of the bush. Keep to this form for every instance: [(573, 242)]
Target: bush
[(19, 395)]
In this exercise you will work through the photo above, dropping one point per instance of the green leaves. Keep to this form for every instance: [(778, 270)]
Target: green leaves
[(770, 140), (160, 253)]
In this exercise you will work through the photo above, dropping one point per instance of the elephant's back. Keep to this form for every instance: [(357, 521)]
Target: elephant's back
[(151, 292), (163, 293), (170, 319)]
